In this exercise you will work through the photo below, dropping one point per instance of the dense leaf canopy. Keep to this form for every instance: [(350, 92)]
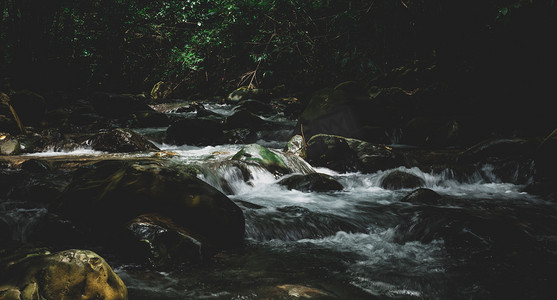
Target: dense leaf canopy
[(209, 46)]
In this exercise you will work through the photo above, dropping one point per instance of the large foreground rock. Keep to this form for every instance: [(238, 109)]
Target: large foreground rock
[(70, 274), (107, 195)]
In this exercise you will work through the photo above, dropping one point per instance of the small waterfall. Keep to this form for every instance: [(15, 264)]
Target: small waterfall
[(21, 221), (394, 135)]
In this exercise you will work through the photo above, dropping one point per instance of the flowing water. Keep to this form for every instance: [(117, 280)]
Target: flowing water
[(487, 240)]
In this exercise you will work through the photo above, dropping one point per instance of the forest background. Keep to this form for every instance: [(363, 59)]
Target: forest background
[(208, 47)]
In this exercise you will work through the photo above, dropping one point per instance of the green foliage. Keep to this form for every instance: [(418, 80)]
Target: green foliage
[(131, 45)]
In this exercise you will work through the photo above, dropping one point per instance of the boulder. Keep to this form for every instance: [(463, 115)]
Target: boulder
[(163, 243), (121, 140), (69, 274), (348, 155), (108, 194), (315, 182), (259, 155), (239, 136), (255, 107), (245, 93), (195, 132), (9, 145), (148, 118), (396, 180), (244, 119)]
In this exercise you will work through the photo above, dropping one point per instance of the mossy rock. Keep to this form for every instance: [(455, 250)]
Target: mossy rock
[(9, 145), (257, 154), (245, 93), (69, 274), (161, 90)]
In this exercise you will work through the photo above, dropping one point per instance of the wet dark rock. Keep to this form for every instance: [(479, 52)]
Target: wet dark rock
[(315, 182), (195, 132), (199, 109), (255, 107), (69, 274), (498, 149), (117, 105), (511, 160), (239, 136), (396, 180), (432, 132), (108, 194), (36, 166), (348, 155), (547, 188), (148, 118), (121, 140), (162, 243), (245, 119), (422, 196)]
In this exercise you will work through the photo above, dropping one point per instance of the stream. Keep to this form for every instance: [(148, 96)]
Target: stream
[(488, 240)]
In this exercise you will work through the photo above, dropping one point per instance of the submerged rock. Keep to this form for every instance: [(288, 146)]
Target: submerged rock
[(107, 195), (348, 155), (396, 180), (69, 274), (121, 140), (315, 182), (422, 196)]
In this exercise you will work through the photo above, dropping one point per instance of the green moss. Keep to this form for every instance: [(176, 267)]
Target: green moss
[(262, 156)]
